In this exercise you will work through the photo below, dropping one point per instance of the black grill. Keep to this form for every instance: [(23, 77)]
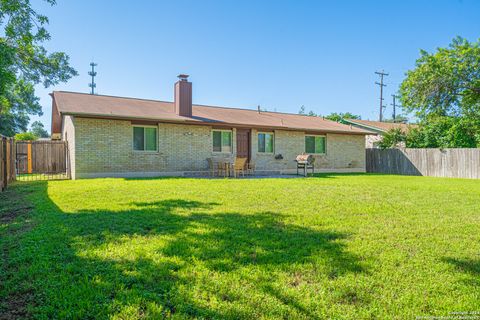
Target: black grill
[(305, 162)]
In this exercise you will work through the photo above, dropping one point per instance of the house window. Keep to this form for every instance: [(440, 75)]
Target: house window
[(144, 138), (315, 144), (265, 142), (222, 141)]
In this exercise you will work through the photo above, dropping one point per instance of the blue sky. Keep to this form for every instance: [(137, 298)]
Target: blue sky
[(277, 54)]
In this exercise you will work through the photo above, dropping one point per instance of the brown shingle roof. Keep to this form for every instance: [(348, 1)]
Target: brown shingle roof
[(130, 108), (381, 126)]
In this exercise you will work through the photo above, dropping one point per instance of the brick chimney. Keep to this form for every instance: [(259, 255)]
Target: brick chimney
[(183, 96)]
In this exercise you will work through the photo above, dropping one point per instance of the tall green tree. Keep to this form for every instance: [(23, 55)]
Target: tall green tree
[(445, 132), (334, 116), (24, 63), (399, 118), (446, 82), (443, 91), (303, 111), (38, 129), (393, 138)]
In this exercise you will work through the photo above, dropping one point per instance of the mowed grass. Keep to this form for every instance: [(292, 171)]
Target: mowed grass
[(331, 246), (41, 176)]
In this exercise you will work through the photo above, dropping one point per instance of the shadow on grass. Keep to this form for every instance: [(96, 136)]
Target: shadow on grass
[(154, 178), (346, 174), (468, 266), (84, 266)]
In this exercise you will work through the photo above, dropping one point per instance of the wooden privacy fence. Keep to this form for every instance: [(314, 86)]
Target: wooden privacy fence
[(7, 161), (46, 157), (453, 163)]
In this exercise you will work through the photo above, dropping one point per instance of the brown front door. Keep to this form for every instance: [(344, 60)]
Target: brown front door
[(243, 143)]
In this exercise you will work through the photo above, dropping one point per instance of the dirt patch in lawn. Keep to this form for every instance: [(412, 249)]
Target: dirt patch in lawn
[(15, 307), (14, 221), (13, 205)]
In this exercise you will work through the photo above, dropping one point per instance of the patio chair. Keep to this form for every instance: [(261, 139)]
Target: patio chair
[(211, 167), (239, 166)]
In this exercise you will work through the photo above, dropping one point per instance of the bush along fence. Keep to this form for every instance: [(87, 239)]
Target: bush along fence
[(453, 163), (7, 161)]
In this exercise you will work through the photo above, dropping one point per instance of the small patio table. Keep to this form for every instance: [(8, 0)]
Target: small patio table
[(225, 166)]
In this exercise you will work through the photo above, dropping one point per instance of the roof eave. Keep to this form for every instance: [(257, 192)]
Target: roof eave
[(213, 123), (375, 129), (110, 116)]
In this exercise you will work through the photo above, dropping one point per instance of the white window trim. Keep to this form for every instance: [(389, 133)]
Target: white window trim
[(221, 146), (273, 142), (315, 135), (144, 140)]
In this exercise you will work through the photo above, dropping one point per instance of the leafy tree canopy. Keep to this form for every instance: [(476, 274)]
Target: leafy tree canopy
[(339, 116), (24, 63), (26, 136), (38, 129), (392, 139), (399, 118), (444, 92), (444, 83), (310, 113), (438, 132), (334, 116), (445, 132)]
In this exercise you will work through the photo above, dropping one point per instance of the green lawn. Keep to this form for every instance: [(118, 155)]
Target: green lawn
[(41, 176), (333, 246)]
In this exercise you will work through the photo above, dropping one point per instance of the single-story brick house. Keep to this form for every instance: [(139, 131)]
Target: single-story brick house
[(377, 128), (124, 137)]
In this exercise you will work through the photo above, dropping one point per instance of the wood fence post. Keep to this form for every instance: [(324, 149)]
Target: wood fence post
[(7, 160), (29, 157), (4, 163), (14, 159)]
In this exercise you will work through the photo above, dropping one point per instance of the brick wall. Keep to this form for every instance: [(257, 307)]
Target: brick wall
[(287, 143), (68, 134), (343, 151), (371, 140), (105, 148)]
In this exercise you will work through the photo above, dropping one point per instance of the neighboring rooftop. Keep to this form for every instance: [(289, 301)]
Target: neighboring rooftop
[(88, 105), (378, 126)]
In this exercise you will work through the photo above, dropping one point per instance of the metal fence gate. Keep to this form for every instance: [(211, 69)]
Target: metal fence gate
[(42, 160)]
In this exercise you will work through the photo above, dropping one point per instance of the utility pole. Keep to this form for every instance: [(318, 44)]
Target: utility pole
[(381, 84), (394, 108), (92, 73)]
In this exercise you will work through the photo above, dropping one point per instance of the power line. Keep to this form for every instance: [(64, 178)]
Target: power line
[(381, 84), (92, 73)]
